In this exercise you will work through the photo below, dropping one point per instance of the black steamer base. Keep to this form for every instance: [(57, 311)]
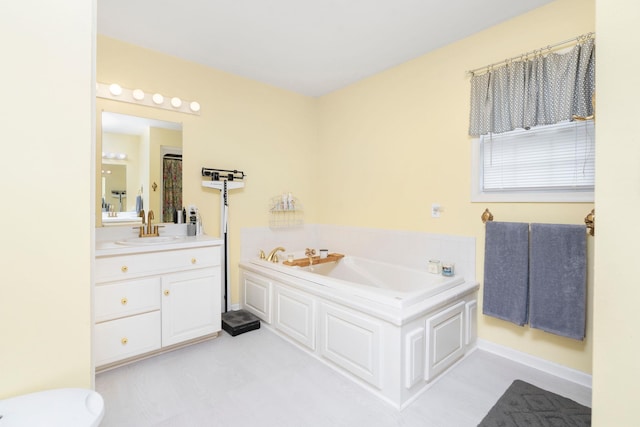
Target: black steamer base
[(239, 321)]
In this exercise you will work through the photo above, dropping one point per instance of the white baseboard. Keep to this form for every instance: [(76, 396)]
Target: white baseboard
[(234, 307), (552, 368)]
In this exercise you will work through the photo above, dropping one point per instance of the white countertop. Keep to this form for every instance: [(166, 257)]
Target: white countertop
[(109, 246)]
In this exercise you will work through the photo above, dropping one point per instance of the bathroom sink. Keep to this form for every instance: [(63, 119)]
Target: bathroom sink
[(155, 240)]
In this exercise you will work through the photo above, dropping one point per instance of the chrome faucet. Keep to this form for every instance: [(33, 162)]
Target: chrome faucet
[(310, 253), (273, 255)]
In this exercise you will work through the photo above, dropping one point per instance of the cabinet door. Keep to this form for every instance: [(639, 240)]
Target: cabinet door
[(190, 305), (414, 351), (294, 315), (351, 341), (256, 295), (445, 339)]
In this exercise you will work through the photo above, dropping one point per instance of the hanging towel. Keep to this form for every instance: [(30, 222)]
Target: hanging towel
[(506, 271), (139, 206), (558, 279)]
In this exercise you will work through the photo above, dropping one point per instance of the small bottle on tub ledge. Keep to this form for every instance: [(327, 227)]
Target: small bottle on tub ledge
[(448, 269)]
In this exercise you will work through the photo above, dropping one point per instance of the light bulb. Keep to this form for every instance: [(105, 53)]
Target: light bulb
[(138, 95), (176, 102), (115, 89), (158, 99), (195, 107)]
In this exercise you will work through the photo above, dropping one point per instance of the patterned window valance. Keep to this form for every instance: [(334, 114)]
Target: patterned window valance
[(538, 91)]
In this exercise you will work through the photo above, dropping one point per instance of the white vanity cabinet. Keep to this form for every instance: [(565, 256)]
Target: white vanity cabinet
[(151, 300)]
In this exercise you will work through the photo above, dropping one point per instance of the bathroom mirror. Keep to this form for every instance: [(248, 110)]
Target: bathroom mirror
[(141, 168)]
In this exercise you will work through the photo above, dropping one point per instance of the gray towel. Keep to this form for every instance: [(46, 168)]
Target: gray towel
[(558, 279), (506, 271), (139, 206)]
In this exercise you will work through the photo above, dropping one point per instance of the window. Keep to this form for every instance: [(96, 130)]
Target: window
[(553, 163)]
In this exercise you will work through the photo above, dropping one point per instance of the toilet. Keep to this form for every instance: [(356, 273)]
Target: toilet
[(77, 407)]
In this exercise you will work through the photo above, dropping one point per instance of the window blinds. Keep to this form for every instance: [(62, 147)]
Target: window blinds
[(558, 157)]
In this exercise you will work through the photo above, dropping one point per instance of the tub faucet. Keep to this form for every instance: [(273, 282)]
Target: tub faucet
[(310, 253), (273, 255)]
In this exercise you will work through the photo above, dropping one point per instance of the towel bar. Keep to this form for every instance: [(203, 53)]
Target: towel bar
[(589, 220)]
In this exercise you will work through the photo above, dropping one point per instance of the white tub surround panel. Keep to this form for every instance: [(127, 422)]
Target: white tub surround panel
[(153, 298), (393, 351)]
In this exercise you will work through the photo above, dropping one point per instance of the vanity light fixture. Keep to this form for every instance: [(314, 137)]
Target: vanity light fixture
[(116, 92), (114, 156)]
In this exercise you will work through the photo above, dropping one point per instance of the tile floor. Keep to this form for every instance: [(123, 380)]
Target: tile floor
[(259, 379)]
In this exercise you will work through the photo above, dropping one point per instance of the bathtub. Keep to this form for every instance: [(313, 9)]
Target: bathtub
[(389, 328), (384, 283)]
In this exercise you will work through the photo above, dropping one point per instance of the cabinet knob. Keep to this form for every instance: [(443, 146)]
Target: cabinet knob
[(193, 260), (124, 301), (124, 341), (166, 292), (124, 268)]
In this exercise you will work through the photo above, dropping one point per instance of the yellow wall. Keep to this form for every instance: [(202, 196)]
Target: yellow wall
[(397, 142), (47, 113), (264, 131), (616, 376)]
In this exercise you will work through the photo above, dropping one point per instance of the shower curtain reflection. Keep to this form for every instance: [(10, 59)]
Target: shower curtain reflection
[(172, 190)]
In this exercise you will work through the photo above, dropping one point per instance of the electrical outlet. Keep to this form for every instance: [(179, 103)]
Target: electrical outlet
[(435, 210)]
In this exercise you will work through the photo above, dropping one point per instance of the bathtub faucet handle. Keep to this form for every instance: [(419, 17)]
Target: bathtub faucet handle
[(310, 253), (273, 255)]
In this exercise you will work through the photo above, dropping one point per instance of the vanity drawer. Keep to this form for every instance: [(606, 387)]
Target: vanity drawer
[(122, 267), (117, 300), (123, 338)]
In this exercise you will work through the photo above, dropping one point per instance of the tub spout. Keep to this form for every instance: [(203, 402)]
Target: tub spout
[(310, 253), (273, 255)]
